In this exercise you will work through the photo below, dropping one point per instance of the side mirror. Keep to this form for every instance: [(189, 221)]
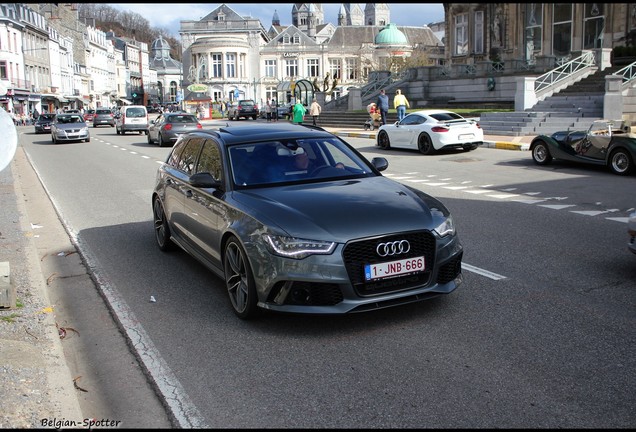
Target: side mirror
[(380, 163), (203, 180)]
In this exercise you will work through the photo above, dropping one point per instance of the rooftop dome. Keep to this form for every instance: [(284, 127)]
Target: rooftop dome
[(160, 44), (390, 35)]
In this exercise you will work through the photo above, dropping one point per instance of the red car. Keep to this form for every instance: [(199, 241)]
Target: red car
[(89, 115)]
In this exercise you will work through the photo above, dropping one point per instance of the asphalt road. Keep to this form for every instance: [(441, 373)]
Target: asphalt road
[(539, 335)]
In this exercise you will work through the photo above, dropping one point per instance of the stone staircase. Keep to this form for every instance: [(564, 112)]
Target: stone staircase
[(573, 108)]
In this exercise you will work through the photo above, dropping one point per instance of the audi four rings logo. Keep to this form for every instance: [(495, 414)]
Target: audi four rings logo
[(393, 248)]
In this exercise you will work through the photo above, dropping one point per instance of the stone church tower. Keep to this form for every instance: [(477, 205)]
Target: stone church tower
[(377, 14)]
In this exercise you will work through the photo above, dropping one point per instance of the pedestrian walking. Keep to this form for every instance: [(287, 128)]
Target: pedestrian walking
[(314, 110), (274, 110), (298, 113), (400, 103), (223, 107), (268, 110), (383, 105)]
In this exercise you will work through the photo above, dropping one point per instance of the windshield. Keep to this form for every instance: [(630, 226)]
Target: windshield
[(69, 119), (295, 160)]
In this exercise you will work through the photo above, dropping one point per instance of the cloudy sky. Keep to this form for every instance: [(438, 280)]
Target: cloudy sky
[(168, 15)]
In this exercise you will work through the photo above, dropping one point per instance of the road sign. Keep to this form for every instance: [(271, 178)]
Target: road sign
[(134, 95)]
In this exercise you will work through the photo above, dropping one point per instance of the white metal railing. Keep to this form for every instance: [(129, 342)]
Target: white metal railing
[(628, 73), (563, 72)]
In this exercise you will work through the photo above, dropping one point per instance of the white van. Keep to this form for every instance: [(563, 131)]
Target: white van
[(132, 118)]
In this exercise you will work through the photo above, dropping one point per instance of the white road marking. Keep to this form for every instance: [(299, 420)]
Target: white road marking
[(480, 271), (556, 206)]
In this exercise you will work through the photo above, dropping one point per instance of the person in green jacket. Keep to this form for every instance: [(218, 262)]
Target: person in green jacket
[(298, 113)]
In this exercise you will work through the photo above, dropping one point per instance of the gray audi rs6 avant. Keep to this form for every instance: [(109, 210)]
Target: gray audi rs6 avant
[(294, 219)]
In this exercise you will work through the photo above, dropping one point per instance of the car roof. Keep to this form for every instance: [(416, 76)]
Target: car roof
[(264, 132)]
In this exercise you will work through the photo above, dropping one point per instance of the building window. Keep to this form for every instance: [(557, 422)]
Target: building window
[(335, 68), (351, 69), (313, 68), (286, 39), (534, 26), (230, 64), (562, 29), (173, 91), (270, 68), (291, 68), (3, 70), (594, 22), (461, 34), (270, 92), (217, 65), (479, 32), (296, 40), (241, 66)]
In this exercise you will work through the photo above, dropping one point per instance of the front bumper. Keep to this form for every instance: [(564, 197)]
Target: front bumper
[(322, 284)]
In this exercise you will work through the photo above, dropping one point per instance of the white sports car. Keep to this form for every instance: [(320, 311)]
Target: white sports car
[(431, 130)]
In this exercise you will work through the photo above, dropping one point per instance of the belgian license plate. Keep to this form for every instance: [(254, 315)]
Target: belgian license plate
[(394, 268), (467, 136)]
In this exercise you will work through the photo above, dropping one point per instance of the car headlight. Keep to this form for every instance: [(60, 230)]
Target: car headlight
[(84, 129), (445, 228), (296, 248)]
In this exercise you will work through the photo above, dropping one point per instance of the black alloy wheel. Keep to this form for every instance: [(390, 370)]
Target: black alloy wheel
[(162, 230), (383, 140), (239, 280), (424, 145)]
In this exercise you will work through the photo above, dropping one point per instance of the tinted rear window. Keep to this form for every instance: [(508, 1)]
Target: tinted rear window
[(104, 111), (246, 102), (182, 119)]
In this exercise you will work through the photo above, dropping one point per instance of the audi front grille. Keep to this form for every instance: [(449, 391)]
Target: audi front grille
[(357, 254)]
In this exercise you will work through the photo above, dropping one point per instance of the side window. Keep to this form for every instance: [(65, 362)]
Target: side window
[(185, 156), (210, 160)]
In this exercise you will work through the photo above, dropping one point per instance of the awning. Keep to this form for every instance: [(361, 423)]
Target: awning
[(198, 97), (125, 101), (54, 96)]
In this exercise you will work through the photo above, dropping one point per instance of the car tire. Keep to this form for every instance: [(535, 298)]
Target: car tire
[(383, 140), (149, 139), (87, 140), (239, 280), (254, 117), (425, 145), (620, 162), (541, 154), (162, 230), (236, 117), (160, 141)]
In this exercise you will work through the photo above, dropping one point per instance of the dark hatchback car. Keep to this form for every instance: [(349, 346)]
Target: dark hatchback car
[(168, 127), (43, 123), (294, 219), (103, 117)]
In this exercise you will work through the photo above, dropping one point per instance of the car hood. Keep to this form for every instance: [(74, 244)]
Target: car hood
[(343, 209)]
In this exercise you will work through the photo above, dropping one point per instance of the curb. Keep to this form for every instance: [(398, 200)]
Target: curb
[(503, 145)]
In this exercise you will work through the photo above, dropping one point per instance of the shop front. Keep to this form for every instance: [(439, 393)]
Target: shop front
[(199, 104)]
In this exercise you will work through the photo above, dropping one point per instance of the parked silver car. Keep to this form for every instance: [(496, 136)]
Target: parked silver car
[(168, 127), (69, 127), (294, 219)]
